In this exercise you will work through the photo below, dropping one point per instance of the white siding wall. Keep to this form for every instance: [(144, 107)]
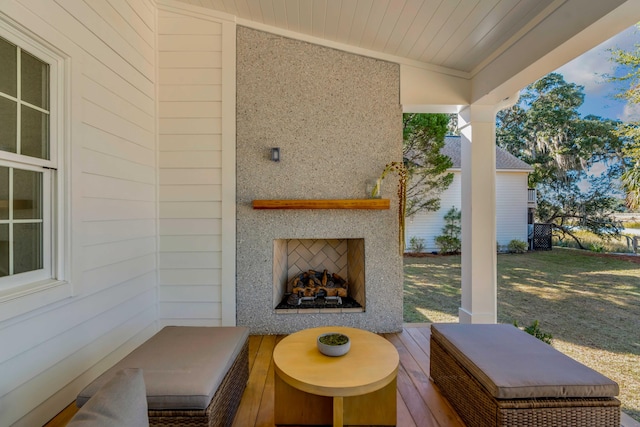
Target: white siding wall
[(428, 225), (511, 207), (49, 354), (511, 211), (191, 137)]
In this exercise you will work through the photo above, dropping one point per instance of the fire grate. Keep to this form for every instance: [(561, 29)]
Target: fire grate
[(292, 301)]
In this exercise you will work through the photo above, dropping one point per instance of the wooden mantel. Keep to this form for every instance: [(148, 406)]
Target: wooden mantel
[(376, 204)]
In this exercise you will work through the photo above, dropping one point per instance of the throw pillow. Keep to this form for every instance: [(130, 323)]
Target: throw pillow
[(121, 402)]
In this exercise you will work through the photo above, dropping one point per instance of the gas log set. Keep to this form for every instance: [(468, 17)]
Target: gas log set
[(314, 289), (313, 284)]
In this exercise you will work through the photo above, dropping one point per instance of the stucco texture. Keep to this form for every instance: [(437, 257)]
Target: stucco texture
[(337, 120)]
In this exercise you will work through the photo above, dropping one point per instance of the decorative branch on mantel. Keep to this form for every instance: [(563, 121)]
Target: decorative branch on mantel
[(401, 170)]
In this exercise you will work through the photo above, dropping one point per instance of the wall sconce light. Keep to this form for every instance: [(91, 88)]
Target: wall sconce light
[(275, 154)]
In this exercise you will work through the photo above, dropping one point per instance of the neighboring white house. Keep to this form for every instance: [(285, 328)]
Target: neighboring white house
[(511, 200)]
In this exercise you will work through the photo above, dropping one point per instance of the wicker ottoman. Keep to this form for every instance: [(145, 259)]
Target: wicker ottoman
[(497, 375), (194, 376)]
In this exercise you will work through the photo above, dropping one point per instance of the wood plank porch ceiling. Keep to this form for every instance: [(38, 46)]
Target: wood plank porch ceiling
[(457, 35)]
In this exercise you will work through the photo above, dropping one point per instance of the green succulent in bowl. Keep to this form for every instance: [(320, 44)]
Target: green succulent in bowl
[(333, 344), (334, 339)]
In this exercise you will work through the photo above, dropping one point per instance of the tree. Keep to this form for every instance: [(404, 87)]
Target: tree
[(423, 138), (545, 130), (452, 128), (449, 241), (566, 206), (629, 69)]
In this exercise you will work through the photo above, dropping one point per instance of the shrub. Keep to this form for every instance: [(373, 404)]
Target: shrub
[(613, 244), (449, 242), (534, 329), (517, 246), (449, 245), (416, 245)]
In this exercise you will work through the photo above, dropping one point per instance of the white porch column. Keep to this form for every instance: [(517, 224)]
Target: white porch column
[(479, 286)]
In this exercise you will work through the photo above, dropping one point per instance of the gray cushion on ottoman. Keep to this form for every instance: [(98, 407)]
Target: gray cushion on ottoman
[(512, 364), (120, 402), (183, 366)]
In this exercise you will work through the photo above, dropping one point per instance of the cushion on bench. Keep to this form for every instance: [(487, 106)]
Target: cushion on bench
[(182, 366), (512, 364)]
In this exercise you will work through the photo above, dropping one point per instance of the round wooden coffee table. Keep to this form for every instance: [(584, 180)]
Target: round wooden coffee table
[(358, 388)]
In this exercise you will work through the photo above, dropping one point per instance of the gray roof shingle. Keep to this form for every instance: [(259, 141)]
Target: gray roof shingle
[(504, 159)]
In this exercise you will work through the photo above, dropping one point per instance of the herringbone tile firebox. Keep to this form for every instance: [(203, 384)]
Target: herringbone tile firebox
[(344, 257)]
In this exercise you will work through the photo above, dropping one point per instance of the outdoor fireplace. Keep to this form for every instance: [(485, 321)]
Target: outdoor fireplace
[(318, 274), (338, 122)]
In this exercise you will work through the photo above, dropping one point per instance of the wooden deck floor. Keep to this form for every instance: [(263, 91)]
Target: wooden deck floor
[(419, 402)]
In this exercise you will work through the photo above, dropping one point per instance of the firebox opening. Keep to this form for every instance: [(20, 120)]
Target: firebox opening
[(319, 274)]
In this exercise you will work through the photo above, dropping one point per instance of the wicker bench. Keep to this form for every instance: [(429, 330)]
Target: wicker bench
[(497, 375), (194, 376)]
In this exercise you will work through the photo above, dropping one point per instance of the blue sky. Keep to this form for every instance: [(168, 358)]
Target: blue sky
[(588, 70)]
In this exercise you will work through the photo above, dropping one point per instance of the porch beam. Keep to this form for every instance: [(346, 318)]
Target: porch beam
[(432, 91), (565, 30)]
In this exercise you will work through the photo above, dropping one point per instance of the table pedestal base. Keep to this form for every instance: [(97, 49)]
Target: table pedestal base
[(296, 407)]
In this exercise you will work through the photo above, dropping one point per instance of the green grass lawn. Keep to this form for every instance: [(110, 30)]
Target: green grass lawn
[(590, 304)]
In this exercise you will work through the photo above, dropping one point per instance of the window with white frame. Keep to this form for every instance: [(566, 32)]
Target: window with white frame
[(28, 164)]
